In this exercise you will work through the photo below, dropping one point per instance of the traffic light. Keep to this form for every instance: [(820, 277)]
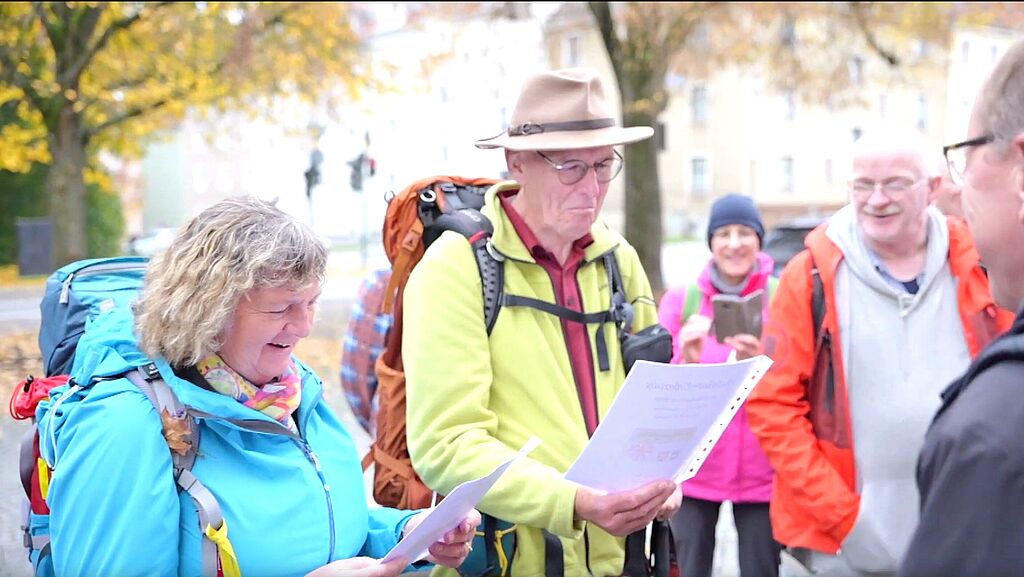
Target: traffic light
[(312, 174), (356, 174), (312, 179)]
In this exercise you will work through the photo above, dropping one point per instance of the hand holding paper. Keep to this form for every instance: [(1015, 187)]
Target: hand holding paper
[(624, 512), (451, 549), (664, 422), (433, 524)]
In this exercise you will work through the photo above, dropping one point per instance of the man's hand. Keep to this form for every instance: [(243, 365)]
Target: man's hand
[(622, 513), (746, 346), (453, 547), (361, 567), (691, 337), (671, 505)]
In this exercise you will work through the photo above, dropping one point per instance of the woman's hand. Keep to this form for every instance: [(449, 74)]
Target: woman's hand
[(691, 337), (361, 567), (746, 346), (453, 547)]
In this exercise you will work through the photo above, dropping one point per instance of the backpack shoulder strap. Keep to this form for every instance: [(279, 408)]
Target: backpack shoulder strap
[(692, 303), (621, 310), (214, 528), (492, 276), (817, 299), (773, 283)]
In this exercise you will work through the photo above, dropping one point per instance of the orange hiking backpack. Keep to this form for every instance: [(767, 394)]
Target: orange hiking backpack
[(416, 216)]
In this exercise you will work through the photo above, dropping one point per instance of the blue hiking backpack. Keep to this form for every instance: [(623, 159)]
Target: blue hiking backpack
[(75, 295)]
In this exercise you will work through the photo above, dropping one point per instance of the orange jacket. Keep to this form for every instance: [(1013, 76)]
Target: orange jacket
[(803, 421)]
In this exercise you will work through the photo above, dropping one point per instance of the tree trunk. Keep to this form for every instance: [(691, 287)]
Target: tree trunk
[(643, 200), (66, 187)]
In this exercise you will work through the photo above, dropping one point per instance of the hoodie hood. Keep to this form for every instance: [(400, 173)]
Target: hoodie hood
[(844, 231)]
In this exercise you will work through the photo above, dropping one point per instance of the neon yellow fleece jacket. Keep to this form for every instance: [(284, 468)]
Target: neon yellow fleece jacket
[(474, 400)]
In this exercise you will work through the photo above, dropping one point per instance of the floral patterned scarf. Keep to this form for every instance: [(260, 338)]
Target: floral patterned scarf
[(277, 399)]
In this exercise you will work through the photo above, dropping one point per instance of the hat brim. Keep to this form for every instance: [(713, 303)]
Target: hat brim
[(567, 140)]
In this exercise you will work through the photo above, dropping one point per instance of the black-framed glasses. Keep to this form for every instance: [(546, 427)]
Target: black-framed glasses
[(573, 171), (956, 156)]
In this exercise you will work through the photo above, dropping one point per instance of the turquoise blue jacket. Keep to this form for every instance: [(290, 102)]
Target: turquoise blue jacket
[(291, 504)]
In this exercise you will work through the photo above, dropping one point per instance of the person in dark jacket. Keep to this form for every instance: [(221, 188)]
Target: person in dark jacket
[(971, 469)]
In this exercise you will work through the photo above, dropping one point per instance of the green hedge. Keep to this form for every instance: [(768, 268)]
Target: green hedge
[(23, 195)]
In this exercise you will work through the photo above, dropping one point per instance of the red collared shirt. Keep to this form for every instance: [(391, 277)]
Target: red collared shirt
[(567, 294)]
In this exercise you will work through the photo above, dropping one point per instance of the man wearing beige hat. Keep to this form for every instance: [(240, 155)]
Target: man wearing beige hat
[(475, 398)]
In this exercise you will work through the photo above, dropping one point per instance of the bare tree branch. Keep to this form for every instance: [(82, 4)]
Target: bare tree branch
[(52, 30), (860, 19)]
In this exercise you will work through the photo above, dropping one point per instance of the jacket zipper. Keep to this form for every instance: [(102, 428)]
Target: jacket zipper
[(327, 492), (260, 426)]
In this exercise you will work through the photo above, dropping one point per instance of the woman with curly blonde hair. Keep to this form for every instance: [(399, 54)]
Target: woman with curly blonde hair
[(220, 315)]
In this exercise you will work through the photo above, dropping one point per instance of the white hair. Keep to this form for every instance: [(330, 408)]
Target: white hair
[(888, 140)]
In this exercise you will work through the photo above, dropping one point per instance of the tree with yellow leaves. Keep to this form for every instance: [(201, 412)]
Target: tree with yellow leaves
[(809, 48), (88, 77)]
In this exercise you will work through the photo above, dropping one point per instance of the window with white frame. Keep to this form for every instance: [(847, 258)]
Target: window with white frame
[(700, 176), (699, 105), (922, 111), (573, 50), (855, 68), (786, 174), (789, 106)]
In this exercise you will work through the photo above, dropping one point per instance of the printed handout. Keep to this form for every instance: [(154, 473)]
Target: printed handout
[(664, 422), (450, 511)]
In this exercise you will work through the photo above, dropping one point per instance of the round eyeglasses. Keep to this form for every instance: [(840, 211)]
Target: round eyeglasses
[(573, 171)]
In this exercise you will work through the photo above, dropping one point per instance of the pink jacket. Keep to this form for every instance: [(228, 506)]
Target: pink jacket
[(737, 469)]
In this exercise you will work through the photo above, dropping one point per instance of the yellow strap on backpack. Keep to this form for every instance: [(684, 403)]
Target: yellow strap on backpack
[(228, 560), (44, 477), (503, 560), (499, 547)]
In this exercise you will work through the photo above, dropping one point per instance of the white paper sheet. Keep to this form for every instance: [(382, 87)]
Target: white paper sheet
[(450, 511), (664, 422)]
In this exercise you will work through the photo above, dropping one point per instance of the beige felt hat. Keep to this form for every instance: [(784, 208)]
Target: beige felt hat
[(564, 110)]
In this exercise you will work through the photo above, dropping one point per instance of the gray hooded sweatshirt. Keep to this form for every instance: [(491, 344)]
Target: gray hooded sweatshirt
[(900, 351)]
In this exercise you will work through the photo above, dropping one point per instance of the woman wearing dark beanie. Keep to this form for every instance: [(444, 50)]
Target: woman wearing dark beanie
[(736, 470)]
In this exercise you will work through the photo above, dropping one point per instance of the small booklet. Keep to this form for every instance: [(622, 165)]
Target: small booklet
[(737, 315), (664, 422), (451, 510)]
